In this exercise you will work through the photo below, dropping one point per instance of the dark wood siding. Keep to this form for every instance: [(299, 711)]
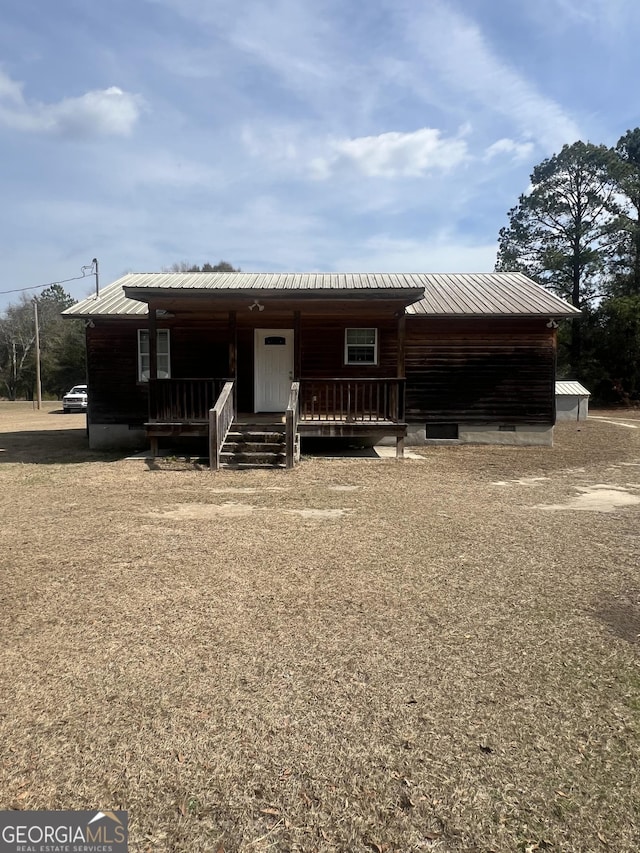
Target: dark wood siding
[(480, 371), (488, 371), (322, 347), (115, 395), (199, 352), (245, 368)]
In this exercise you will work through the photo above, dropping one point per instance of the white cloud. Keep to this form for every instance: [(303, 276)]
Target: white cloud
[(10, 90), (393, 154), (517, 150), (96, 113)]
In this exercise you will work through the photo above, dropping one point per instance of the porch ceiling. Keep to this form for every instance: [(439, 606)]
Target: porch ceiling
[(286, 300), (264, 310)]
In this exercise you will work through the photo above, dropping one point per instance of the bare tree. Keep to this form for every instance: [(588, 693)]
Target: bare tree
[(186, 266)]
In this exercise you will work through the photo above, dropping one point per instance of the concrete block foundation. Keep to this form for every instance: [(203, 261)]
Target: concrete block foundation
[(533, 435), (116, 437)]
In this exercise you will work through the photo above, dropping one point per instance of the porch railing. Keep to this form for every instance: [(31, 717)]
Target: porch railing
[(220, 419), (181, 400), (292, 415), (353, 400)]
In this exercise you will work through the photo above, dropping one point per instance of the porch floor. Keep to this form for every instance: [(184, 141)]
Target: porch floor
[(324, 427)]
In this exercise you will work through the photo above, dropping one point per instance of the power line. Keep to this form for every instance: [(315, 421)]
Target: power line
[(39, 286)]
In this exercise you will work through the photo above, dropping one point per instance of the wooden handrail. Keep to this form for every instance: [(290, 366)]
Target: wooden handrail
[(363, 379), (220, 420), (292, 415)]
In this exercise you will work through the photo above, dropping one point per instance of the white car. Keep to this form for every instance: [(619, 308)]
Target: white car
[(75, 400)]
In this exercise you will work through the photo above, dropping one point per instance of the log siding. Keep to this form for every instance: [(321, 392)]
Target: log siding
[(115, 395), (480, 371), (322, 343)]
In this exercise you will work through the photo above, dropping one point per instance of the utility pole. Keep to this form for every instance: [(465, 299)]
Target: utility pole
[(38, 379), (93, 270)]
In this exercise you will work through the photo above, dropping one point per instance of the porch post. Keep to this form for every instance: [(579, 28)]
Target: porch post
[(233, 345), (153, 375), (297, 346), (153, 343), (402, 346), (402, 339)]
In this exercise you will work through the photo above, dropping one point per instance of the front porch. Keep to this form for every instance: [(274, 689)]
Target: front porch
[(334, 407)]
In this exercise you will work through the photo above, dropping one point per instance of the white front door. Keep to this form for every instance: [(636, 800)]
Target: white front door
[(273, 369)]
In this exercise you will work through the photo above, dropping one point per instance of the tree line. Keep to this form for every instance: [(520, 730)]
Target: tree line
[(62, 342), (62, 346), (576, 231), (186, 266)]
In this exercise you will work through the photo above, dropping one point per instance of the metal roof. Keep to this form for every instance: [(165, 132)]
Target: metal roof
[(488, 294), (271, 281), (572, 389), (110, 303), (460, 294)]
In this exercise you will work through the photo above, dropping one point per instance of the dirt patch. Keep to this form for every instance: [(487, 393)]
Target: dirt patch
[(230, 509), (597, 498), (343, 488), (522, 481), (247, 490), (617, 422), (207, 511), (621, 614), (320, 514)]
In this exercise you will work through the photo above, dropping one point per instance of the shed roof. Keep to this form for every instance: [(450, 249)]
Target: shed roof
[(570, 388), (460, 294)]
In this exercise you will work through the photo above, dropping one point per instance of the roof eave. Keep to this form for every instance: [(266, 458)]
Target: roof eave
[(407, 295), (475, 315), (103, 315)]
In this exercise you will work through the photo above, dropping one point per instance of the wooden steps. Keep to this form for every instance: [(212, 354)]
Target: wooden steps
[(255, 445)]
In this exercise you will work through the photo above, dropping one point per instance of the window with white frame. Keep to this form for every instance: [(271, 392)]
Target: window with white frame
[(163, 355), (361, 346)]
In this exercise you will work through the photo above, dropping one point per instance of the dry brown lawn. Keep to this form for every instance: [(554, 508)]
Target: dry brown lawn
[(356, 655)]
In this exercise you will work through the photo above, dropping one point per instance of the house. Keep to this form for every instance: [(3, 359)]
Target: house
[(572, 401), (406, 357)]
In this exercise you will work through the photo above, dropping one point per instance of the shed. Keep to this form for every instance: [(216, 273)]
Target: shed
[(572, 401)]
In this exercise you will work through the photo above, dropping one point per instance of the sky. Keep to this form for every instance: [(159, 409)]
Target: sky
[(291, 135)]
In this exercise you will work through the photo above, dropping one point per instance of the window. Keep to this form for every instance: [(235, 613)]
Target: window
[(361, 346), (163, 360)]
